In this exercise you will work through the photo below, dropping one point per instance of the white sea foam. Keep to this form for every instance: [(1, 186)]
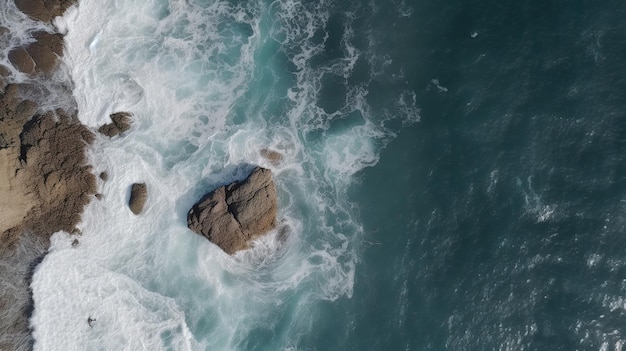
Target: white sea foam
[(202, 112)]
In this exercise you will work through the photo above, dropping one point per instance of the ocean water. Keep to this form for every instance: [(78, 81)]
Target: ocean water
[(453, 176), (211, 84)]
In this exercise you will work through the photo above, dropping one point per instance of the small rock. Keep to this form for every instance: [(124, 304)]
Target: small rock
[(104, 176), (121, 122), (138, 197), (99, 197), (75, 242), (91, 321)]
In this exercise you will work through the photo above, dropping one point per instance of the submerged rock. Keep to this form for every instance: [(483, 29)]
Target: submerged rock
[(273, 156), (234, 215), (138, 197), (121, 123)]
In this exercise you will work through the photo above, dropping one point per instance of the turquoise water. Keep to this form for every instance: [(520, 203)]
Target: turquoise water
[(453, 176)]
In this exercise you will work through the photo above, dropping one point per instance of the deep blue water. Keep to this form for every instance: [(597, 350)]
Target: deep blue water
[(497, 222)]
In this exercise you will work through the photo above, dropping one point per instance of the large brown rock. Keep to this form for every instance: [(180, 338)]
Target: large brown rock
[(44, 178), (138, 197), (234, 215)]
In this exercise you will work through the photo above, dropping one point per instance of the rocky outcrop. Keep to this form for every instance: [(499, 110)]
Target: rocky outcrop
[(138, 197), (44, 10), (234, 215), (44, 177), (120, 123), (45, 181)]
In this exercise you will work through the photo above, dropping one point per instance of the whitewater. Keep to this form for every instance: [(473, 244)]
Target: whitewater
[(210, 84)]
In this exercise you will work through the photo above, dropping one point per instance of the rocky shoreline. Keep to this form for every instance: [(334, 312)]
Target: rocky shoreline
[(45, 179)]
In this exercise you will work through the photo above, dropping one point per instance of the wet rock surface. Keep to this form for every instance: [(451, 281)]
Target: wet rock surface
[(233, 215)]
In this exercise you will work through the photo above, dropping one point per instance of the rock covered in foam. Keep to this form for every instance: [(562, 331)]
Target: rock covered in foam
[(234, 215), (138, 197), (44, 10), (120, 123)]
